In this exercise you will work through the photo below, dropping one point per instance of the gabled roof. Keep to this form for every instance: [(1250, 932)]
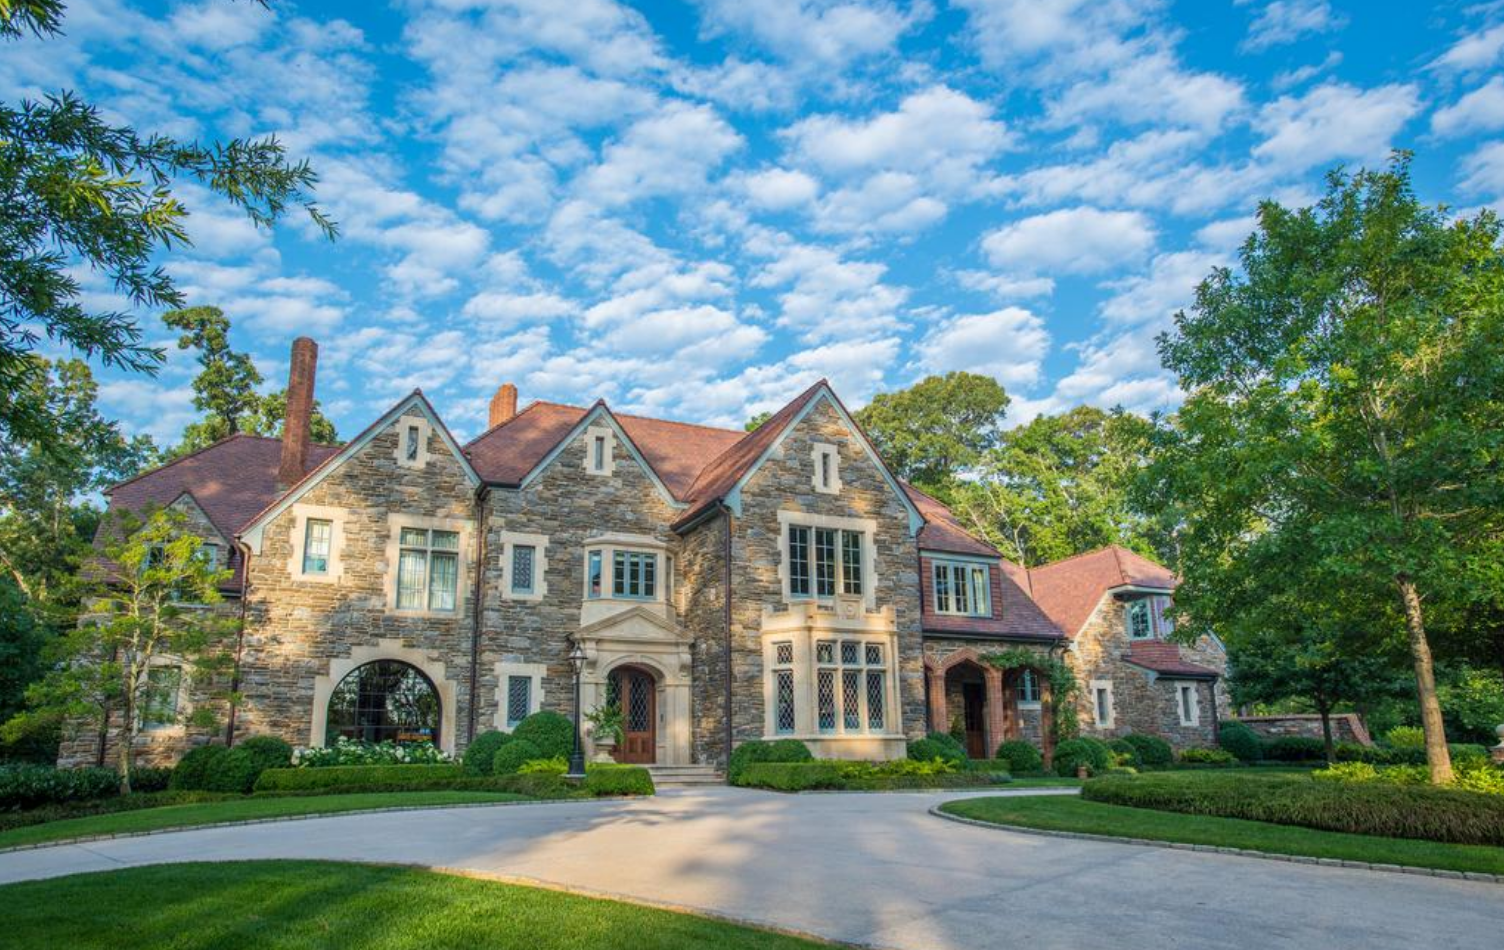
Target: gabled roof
[(942, 531), (1164, 658), (251, 532), (1070, 589)]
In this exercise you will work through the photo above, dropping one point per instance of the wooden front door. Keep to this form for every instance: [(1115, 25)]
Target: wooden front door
[(635, 690), (974, 698)]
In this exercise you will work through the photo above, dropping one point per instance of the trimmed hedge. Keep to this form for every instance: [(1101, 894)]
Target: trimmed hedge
[(1369, 808), (550, 732), (191, 774), (1072, 753), (758, 750), (482, 751), (1240, 739), (103, 806), (792, 776), (150, 779), (1295, 749), (510, 757), (237, 770), (1020, 756), (856, 776), (1153, 751), (618, 780), (362, 777), (937, 745), (1211, 757), (31, 786)]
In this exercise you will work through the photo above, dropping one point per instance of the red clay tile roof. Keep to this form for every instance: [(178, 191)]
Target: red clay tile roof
[(1014, 615), (1070, 589), (1164, 658), (232, 481), (941, 531)]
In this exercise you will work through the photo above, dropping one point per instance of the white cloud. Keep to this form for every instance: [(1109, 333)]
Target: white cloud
[(1473, 52), (1151, 87), (888, 201), (1077, 34), (825, 296), (1169, 286), (1285, 21), (1070, 241), (779, 189), (1008, 345), (703, 335), (810, 33), (1483, 171), (1006, 286), (1481, 110), (1333, 121), (669, 152)]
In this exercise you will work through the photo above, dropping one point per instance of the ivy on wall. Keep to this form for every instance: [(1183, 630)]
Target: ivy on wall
[(1062, 683)]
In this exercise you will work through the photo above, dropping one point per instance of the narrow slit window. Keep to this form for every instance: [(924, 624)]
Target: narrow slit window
[(412, 443)]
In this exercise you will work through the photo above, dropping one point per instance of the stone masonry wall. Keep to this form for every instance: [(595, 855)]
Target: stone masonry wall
[(702, 587), (938, 649)]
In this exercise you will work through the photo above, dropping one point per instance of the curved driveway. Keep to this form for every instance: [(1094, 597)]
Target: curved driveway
[(870, 869)]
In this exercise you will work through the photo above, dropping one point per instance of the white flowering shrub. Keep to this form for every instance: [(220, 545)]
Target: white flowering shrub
[(356, 752)]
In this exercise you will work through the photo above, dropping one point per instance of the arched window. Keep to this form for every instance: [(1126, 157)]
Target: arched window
[(384, 700)]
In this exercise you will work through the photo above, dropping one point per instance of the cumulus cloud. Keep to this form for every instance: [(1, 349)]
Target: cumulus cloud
[(1284, 21), (1332, 121), (814, 33), (1081, 240), (1483, 170), (1473, 52), (779, 189), (1008, 344), (1481, 110)]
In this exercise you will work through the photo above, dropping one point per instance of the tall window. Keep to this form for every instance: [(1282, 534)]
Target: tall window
[(1028, 687), (411, 445), (850, 686), (963, 588), (1140, 620), (317, 536), (1190, 704), (523, 556), (784, 718), (428, 569), (599, 448), (1101, 698), (519, 699), (593, 574), (635, 574), (819, 558), (159, 701)]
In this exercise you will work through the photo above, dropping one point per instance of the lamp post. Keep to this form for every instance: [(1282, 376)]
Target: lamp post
[(577, 757)]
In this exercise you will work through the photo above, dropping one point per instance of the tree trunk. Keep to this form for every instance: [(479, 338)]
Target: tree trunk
[(1437, 755), (127, 746), (1326, 732)]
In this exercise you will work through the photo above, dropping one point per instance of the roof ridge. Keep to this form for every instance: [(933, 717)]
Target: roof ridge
[(181, 458), (515, 416), (676, 422), (1073, 557)]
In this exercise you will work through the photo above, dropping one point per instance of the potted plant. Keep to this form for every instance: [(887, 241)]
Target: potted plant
[(605, 732)]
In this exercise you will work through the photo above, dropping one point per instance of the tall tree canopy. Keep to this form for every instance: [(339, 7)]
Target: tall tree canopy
[(82, 191), (1060, 485), (937, 428), (1347, 384)]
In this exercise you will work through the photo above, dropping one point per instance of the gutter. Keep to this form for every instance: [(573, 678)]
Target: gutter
[(481, 494)]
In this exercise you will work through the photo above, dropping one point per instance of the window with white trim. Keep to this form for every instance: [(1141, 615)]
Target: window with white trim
[(624, 573), (826, 476), (318, 537), (159, 699), (850, 687), (428, 569), (1101, 703), (1189, 703), (1028, 686), (785, 719), (821, 558), (962, 587), (519, 699), (524, 563), (1148, 618)]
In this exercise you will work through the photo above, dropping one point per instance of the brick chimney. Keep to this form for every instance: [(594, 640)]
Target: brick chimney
[(503, 405), (305, 359)]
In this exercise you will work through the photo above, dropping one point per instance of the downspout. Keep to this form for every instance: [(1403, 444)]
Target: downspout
[(726, 619), (481, 494), (245, 586)]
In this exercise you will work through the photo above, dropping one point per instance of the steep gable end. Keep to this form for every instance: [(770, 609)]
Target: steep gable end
[(1069, 590)]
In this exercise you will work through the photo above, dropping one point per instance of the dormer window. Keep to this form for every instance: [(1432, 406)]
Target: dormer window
[(962, 587), (1147, 618), (827, 468)]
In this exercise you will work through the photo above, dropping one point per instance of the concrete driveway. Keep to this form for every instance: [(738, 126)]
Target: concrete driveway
[(870, 869)]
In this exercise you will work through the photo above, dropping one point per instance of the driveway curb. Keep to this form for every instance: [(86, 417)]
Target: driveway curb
[(1213, 849)]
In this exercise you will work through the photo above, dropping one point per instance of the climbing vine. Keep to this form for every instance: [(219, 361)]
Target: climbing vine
[(1062, 682)]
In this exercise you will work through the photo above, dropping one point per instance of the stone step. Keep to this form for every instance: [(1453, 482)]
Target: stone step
[(669, 776)]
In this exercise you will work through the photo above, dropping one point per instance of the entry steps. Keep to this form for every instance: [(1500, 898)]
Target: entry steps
[(682, 776)]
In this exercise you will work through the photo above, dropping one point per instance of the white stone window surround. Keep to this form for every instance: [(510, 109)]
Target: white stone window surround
[(1153, 605), (600, 440), (184, 705), (506, 540), (395, 523), (337, 517), (867, 527), (425, 429), (505, 670), (950, 562), (385, 649), (801, 628), (827, 459), (1097, 688), (1182, 691), (608, 545)]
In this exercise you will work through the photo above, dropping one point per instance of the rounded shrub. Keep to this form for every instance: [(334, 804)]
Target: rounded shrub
[(509, 758), (1406, 737), (930, 748), (1074, 753), (1153, 751), (234, 772), (1295, 749), (191, 774), (1021, 756), (550, 733), (268, 751), (1240, 739), (1125, 754), (482, 750), (150, 779), (757, 750)]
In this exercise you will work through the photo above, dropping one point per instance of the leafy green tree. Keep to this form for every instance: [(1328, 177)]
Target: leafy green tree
[(146, 605), (756, 421), (937, 428), (271, 413), (81, 190), (1060, 485), (1345, 388)]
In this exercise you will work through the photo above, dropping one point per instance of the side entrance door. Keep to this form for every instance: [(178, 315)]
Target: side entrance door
[(974, 697), (635, 689)]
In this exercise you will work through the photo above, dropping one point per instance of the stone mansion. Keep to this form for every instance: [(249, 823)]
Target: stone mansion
[(724, 586)]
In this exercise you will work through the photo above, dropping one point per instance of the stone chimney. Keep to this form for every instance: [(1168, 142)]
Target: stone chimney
[(305, 358), (503, 405)]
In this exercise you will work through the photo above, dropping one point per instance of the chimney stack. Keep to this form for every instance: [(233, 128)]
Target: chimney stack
[(503, 405), (305, 358)]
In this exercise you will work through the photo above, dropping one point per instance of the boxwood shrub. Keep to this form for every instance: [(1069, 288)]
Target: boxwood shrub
[(31, 786), (1125, 754), (237, 770), (1368, 808), (150, 779), (1153, 751), (103, 806), (482, 750), (758, 750), (792, 776), (618, 780), (1020, 756), (863, 776), (1073, 753), (358, 777), (937, 745), (1240, 739), (510, 757), (191, 774), (1295, 749), (550, 732), (1217, 758)]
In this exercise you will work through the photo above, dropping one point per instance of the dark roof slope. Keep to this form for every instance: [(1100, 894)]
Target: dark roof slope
[(1069, 590), (1164, 658), (942, 531)]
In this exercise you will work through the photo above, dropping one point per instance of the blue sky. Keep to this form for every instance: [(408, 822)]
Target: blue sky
[(694, 210)]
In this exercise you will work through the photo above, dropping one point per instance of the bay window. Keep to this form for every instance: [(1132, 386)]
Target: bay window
[(625, 567)]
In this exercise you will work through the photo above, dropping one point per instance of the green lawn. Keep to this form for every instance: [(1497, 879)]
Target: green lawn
[(318, 905), (1058, 813), (1044, 781), (240, 809)]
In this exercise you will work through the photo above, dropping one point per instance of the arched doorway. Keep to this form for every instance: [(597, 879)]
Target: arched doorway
[(966, 700), (635, 690), (386, 700)]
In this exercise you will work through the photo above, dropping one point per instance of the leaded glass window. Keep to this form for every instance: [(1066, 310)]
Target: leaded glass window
[(851, 699), (317, 536), (875, 694), (848, 652), (1140, 624), (825, 697), (428, 569), (783, 681), (519, 699), (783, 653), (384, 701), (523, 556)]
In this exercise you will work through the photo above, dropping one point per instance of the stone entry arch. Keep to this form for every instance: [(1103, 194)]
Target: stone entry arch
[(1000, 700)]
